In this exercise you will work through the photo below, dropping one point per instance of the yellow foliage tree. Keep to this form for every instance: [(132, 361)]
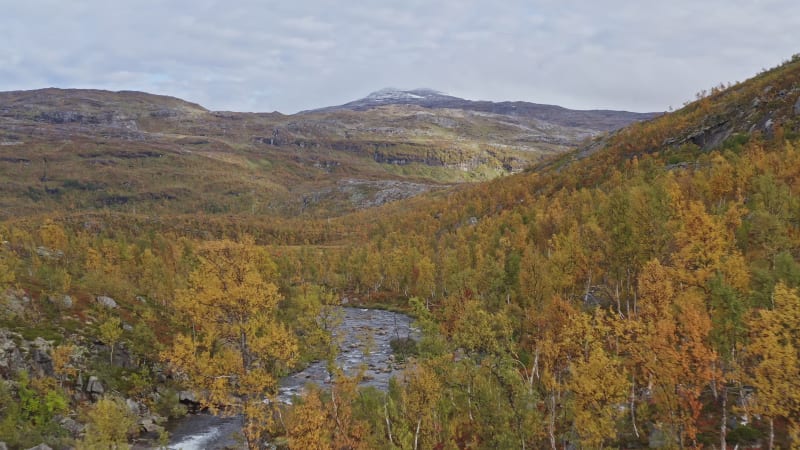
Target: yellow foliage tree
[(110, 423), (599, 385), (775, 350), (110, 333), (669, 349), (701, 245), (422, 392), (236, 345), (62, 362), (309, 427)]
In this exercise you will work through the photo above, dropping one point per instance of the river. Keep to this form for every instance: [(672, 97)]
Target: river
[(360, 329)]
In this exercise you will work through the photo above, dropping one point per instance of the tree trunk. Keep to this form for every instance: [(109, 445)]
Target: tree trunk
[(469, 400), (245, 352), (551, 426), (388, 424), (771, 434), (416, 434), (723, 427), (633, 409), (588, 288)]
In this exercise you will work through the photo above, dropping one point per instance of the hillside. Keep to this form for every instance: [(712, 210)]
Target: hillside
[(128, 151), (665, 254)]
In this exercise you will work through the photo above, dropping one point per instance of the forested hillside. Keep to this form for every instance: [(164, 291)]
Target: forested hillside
[(641, 291)]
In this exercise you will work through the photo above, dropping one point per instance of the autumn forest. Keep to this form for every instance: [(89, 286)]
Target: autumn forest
[(641, 290)]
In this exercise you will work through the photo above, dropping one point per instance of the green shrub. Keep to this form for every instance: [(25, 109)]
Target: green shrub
[(404, 347), (744, 435)]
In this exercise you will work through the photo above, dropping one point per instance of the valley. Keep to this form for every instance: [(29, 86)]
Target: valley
[(573, 284)]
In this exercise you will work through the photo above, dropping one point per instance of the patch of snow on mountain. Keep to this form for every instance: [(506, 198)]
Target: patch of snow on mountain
[(393, 94)]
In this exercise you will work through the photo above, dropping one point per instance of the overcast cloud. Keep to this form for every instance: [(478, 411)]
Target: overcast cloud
[(257, 55)]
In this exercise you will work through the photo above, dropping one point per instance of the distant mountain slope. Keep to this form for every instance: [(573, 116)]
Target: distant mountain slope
[(82, 149), (597, 120), (90, 105)]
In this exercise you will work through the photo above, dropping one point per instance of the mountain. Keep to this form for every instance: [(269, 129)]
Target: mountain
[(132, 151), (596, 120)]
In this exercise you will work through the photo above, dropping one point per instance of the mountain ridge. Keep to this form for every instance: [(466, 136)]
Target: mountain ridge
[(598, 119)]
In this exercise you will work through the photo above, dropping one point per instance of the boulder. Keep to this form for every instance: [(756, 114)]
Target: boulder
[(134, 406), (41, 446), (106, 301), (797, 107), (123, 357), (187, 397), (95, 386), (75, 429), (15, 302), (64, 302), (149, 425), (40, 354), (3, 446)]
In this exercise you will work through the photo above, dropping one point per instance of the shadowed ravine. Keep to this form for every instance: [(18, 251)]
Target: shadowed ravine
[(360, 329)]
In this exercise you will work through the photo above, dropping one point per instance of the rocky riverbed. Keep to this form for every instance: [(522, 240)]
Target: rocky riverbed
[(364, 337)]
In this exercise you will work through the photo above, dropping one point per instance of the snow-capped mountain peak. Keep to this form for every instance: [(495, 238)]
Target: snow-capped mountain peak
[(394, 94)]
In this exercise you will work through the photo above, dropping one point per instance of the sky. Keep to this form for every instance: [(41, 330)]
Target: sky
[(265, 55)]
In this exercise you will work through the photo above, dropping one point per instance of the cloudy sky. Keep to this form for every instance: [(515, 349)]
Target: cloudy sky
[(265, 55)]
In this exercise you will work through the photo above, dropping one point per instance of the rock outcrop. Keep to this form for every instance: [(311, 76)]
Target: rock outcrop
[(16, 302), (95, 387), (40, 351), (11, 358), (74, 428), (17, 354)]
